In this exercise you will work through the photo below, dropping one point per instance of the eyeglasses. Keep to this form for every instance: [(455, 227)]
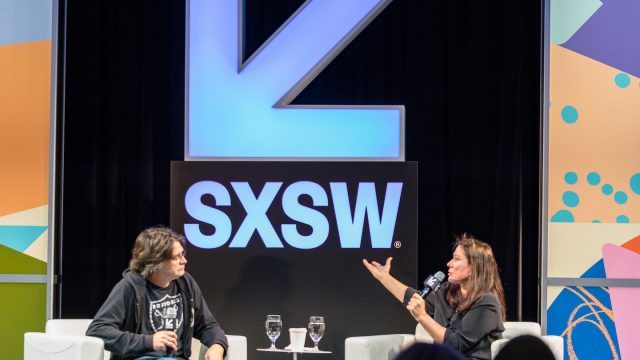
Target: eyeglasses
[(179, 257)]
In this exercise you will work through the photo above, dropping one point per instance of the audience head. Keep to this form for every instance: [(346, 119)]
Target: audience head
[(419, 351), (153, 246), (525, 347)]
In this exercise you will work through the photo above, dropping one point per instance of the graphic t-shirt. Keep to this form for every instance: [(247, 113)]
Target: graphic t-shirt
[(165, 312)]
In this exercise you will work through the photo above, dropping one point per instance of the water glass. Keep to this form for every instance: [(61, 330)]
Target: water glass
[(316, 330), (273, 326)]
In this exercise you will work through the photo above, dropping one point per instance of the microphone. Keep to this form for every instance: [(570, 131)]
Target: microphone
[(432, 283)]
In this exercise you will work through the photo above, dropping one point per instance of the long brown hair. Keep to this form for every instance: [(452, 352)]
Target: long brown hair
[(152, 247), (484, 275)]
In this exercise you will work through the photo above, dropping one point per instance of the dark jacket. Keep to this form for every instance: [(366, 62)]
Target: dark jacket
[(119, 320), (470, 333)]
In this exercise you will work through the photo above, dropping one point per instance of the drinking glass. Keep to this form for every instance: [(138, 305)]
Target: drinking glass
[(316, 330), (274, 327)]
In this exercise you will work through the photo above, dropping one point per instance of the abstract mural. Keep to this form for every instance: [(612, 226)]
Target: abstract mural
[(594, 174)]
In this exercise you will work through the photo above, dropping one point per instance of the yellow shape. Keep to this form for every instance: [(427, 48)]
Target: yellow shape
[(574, 248), (33, 217), (38, 249)]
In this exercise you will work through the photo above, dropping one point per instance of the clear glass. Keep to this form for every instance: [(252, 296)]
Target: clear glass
[(273, 326), (316, 330)]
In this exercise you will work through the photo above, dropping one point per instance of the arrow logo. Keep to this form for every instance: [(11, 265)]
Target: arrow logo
[(241, 110)]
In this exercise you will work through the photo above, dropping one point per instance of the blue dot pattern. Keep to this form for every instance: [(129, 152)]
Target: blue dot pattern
[(562, 216), (620, 197), (607, 189), (569, 114), (593, 178), (634, 183), (571, 199), (622, 80), (622, 219), (571, 178)]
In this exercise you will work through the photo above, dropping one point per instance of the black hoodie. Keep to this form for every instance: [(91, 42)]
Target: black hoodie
[(119, 321)]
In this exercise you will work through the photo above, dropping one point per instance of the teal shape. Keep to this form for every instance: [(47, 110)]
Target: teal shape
[(569, 114), (620, 197), (571, 178), (622, 219), (568, 16), (622, 80), (634, 183), (593, 178), (571, 199), (562, 216), (19, 238)]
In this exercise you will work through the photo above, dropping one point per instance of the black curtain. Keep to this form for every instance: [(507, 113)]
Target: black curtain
[(468, 73)]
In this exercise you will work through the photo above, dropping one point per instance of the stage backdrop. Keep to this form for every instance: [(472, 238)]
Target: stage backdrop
[(593, 278), (288, 238), (25, 98)]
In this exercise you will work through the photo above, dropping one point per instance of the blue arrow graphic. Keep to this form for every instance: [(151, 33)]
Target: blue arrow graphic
[(238, 110)]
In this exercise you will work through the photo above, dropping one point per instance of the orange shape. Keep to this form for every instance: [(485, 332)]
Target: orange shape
[(25, 96)]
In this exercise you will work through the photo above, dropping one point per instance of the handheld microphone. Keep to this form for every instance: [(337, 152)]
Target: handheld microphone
[(432, 283)]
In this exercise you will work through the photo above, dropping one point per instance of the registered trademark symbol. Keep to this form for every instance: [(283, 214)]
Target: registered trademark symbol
[(397, 244)]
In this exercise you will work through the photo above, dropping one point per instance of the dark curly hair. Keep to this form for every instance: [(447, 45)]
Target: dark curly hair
[(152, 247)]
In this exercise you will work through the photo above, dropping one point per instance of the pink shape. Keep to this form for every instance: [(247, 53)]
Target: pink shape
[(620, 263)]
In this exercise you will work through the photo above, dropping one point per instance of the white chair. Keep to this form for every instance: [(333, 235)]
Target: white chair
[(386, 347), (42, 346), (382, 347), (65, 339)]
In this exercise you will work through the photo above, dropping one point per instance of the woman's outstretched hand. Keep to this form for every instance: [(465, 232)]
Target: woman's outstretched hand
[(376, 269)]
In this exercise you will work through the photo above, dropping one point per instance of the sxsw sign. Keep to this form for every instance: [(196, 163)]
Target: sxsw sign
[(240, 110), (350, 223), (299, 205)]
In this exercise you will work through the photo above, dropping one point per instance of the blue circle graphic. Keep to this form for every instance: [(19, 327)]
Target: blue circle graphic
[(571, 178), (607, 189), (596, 221), (634, 183), (622, 219), (569, 114), (622, 80), (593, 178), (620, 197), (562, 216), (570, 199)]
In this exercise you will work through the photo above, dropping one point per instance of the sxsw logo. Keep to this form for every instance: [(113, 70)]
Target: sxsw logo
[(349, 217)]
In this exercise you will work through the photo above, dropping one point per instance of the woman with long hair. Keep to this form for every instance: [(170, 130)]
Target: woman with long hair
[(468, 310)]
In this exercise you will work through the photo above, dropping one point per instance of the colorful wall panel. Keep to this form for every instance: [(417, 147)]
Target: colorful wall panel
[(593, 178), (25, 97)]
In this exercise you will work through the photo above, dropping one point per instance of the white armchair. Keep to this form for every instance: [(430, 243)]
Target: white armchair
[(386, 347), (382, 347), (65, 339)]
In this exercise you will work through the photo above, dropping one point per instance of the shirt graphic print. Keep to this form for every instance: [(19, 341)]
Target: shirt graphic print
[(166, 313)]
